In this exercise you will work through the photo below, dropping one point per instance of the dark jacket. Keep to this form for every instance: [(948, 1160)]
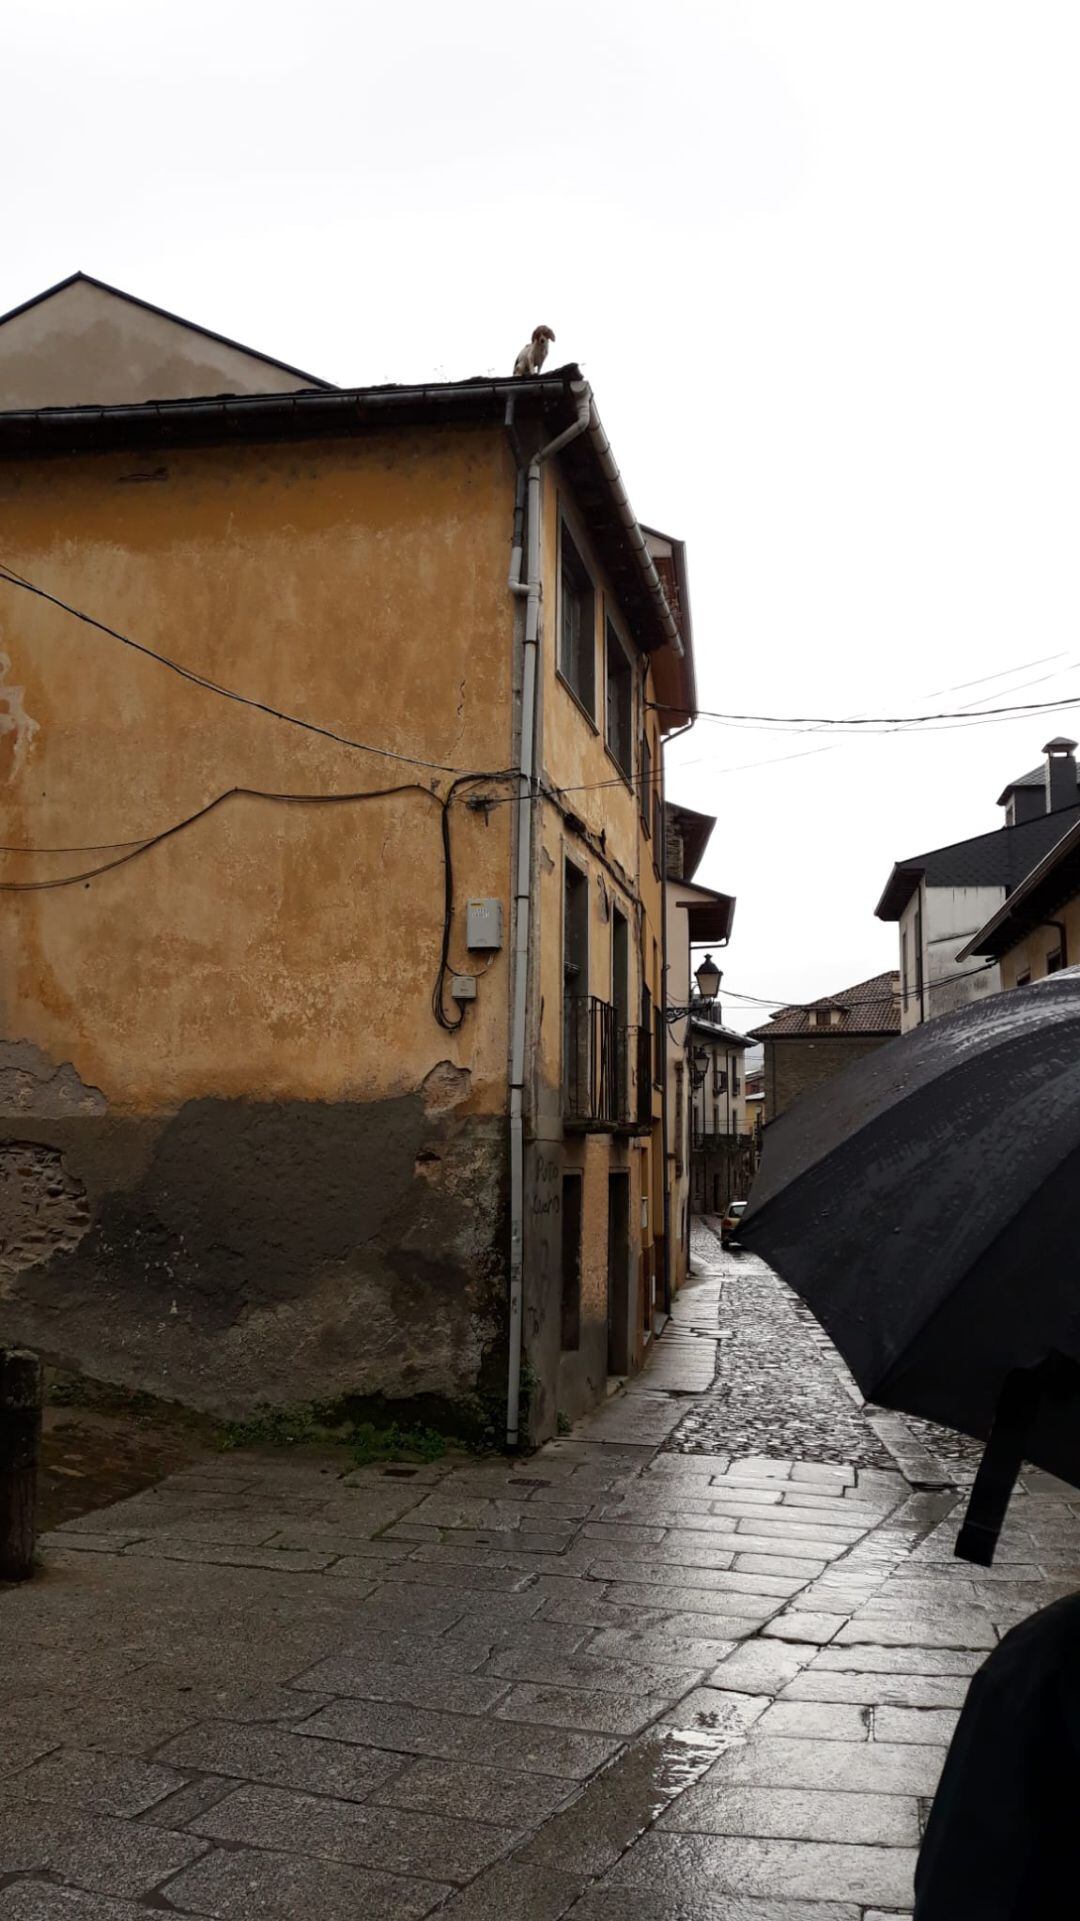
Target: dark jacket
[(1003, 1839)]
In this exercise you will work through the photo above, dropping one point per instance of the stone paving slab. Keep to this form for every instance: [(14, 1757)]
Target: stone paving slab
[(622, 1678), (429, 1846), (255, 1884)]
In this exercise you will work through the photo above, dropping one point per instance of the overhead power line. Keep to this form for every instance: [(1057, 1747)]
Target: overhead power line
[(888, 720), (870, 1000)]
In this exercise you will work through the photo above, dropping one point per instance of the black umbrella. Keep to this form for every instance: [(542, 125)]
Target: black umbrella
[(926, 1205)]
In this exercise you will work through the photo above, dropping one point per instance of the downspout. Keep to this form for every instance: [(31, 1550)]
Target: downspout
[(664, 1102), (529, 590)]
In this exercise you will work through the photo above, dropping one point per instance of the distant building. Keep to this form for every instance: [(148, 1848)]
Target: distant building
[(939, 900), (755, 1100), (1036, 931), (695, 916), (723, 1158), (805, 1046)]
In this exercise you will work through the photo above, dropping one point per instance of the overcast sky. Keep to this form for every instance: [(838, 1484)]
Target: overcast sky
[(817, 257)]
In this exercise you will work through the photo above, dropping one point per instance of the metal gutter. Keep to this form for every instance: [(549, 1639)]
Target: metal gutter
[(226, 418), (632, 527)]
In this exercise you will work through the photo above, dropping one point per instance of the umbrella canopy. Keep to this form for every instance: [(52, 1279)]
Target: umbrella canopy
[(926, 1205)]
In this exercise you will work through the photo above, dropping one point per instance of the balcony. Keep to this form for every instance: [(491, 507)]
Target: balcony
[(606, 1069)]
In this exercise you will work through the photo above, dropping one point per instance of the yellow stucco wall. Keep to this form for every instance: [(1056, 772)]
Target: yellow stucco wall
[(1030, 955), (606, 842), (285, 1179), (268, 949)]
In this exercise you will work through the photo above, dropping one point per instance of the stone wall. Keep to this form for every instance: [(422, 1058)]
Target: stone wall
[(798, 1063)]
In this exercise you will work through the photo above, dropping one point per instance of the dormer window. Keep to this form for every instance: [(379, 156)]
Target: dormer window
[(826, 1016)]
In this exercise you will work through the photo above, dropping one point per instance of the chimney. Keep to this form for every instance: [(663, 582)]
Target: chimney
[(1060, 774)]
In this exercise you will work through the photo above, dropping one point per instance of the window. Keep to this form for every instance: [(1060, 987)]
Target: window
[(577, 637), (646, 782), (620, 1002), (1055, 961), (659, 1035), (571, 1261), (619, 703), (919, 957), (575, 985), (1024, 979)]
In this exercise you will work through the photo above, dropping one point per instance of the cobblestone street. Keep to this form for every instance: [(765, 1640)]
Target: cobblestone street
[(698, 1661)]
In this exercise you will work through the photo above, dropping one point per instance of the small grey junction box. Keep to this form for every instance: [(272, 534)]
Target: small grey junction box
[(483, 924), (463, 987)]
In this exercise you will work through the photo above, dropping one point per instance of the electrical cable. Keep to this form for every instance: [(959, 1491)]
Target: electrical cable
[(654, 780), (443, 801), (898, 721), (138, 848), (215, 687), (870, 1000)]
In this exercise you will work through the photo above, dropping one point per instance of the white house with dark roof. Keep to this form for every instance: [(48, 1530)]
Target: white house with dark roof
[(940, 899)]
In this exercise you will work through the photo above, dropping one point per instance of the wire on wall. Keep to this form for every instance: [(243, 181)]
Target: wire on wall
[(136, 849), (13, 579)]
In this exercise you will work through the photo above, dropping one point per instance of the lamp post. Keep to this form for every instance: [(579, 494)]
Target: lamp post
[(708, 977)]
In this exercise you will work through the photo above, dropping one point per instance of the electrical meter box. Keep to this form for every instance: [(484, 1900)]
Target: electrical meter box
[(483, 925)]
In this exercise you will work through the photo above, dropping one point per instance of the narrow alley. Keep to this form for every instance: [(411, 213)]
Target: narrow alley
[(698, 1661)]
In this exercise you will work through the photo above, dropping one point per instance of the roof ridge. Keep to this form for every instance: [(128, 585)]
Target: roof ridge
[(164, 313)]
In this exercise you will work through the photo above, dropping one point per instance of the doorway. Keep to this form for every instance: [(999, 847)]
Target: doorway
[(618, 1273)]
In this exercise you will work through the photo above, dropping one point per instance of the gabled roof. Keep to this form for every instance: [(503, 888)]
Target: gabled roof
[(39, 354), (870, 1007), (1040, 896), (999, 858), (693, 829)]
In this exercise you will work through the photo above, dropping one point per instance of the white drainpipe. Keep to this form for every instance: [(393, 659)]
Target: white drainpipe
[(530, 590)]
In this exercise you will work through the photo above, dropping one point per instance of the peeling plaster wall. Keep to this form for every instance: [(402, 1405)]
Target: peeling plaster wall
[(239, 1161), (240, 1252)]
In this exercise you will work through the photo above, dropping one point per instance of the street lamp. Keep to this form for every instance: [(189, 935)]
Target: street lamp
[(699, 1067), (708, 978)]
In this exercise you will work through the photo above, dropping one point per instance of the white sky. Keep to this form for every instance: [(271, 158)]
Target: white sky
[(817, 257)]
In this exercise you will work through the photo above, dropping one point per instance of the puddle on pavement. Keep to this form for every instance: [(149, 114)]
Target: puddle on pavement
[(687, 1754)]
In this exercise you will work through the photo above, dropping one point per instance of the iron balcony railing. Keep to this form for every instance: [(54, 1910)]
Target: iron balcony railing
[(606, 1066)]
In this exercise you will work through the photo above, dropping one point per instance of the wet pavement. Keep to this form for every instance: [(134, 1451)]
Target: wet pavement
[(687, 1664)]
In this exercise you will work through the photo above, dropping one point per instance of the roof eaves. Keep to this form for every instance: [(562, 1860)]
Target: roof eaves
[(994, 938), (899, 887), (713, 1029), (348, 411)]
